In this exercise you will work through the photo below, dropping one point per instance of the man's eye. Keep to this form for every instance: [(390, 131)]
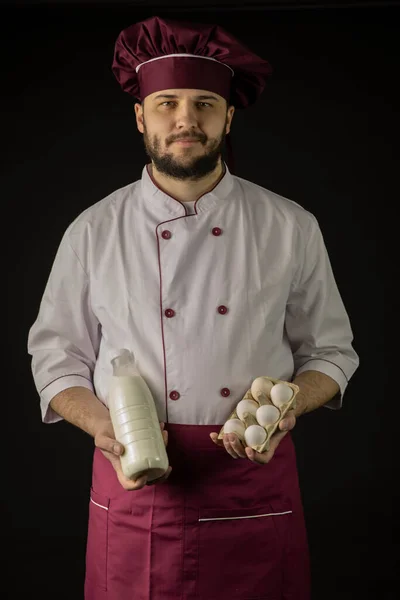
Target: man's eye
[(169, 102)]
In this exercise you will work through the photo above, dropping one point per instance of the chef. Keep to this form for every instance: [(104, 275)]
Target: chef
[(211, 281)]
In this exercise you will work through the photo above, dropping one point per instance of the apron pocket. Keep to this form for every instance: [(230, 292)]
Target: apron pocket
[(241, 552), (97, 538)]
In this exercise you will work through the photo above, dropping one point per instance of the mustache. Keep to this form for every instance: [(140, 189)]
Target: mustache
[(196, 138)]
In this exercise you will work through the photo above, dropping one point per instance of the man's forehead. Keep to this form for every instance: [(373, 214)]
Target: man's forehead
[(186, 93)]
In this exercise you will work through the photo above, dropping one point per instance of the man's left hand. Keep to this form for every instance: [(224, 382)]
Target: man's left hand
[(236, 449)]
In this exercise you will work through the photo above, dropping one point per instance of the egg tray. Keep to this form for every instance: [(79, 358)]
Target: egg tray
[(270, 429)]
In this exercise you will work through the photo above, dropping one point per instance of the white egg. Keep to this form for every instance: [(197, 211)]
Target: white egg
[(245, 406), (235, 426), (261, 388), (281, 394), (267, 415), (255, 435)]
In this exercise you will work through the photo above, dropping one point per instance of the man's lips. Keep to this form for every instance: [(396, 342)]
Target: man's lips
[(186, 142)]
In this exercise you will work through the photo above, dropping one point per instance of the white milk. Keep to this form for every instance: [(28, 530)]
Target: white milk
[(135, 421)]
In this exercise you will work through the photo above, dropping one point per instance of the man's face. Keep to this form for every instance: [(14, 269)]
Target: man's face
[(184, 131)]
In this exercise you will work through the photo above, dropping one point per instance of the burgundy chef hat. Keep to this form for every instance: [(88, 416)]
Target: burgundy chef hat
[(158, 54)]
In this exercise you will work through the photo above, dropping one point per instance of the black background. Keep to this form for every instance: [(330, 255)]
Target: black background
[(322, 134)]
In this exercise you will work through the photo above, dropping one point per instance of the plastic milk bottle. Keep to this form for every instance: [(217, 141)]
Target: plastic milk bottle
[(135, 420)]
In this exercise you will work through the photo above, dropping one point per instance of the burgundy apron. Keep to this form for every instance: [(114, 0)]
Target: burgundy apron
[(217, 529)]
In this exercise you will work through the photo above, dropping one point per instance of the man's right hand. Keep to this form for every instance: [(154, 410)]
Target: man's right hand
[(112, 450)]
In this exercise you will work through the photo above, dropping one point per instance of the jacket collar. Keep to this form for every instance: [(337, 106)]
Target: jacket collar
[(161, 201)]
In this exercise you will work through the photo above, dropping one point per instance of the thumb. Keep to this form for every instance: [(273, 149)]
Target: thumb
[(117, 448), (109, 444)]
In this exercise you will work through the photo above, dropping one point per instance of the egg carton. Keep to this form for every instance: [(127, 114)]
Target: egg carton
[(270, 429)]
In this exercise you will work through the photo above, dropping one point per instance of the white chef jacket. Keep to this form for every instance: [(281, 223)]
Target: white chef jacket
[(206, 302)]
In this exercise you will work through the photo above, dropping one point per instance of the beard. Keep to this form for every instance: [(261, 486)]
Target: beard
[(184, 169)]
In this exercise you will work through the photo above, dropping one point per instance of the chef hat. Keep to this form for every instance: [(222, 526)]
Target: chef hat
[(158, 54)]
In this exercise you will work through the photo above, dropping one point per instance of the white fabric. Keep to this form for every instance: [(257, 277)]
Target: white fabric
[(186, 56), (269, 267)]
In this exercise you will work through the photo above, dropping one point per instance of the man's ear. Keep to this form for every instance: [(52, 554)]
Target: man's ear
[(229, 117), (139, 116)]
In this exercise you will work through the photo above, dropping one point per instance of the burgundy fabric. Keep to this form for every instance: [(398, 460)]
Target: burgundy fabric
[(186, 538), (184, 72), (155, 37)]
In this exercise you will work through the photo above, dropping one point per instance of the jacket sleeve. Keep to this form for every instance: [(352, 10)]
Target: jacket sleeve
[(64, 339), (317, 324)]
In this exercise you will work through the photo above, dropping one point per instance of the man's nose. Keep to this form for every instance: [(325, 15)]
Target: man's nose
[(186, 117)]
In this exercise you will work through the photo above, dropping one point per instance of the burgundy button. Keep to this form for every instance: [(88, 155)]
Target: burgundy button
[(216, 231), (225, 392), (174, 395), (169, 313), (222, 310), (166, 234)]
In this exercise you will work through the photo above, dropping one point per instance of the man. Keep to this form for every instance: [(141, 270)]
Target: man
[(211, 281)]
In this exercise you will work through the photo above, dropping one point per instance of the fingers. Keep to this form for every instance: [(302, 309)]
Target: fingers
[(132, 484), (231, 443), (142, 480), (162, 478), (235, 448), (112, 450), (285, 425), (259, 458), (214, 437), (127, 484), (265, 457), (226, 440), (108, 444), (164, 433), (288, 422), (165, 437), (252, 455)]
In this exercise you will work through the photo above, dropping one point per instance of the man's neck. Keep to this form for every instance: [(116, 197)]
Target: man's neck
[(187, 191)]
